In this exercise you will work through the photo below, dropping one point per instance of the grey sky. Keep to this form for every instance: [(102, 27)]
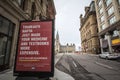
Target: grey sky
[(67, 19)]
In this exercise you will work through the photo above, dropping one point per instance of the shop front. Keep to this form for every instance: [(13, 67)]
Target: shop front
[(116, 45), (105, 46)]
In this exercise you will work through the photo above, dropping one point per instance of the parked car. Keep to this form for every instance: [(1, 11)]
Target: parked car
[(107, 55)]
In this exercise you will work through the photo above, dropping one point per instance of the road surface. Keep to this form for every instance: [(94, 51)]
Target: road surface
[(88, 67)]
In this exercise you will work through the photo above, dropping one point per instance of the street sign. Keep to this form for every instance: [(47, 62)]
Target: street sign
[(35, 49)]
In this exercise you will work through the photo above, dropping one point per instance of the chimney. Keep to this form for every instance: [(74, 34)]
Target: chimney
[(81, 18), (87, 9)]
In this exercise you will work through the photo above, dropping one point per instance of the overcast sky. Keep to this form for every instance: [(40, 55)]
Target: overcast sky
[(67, 20)]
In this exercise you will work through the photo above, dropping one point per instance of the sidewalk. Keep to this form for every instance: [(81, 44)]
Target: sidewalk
[(7, 75), (58, 75)]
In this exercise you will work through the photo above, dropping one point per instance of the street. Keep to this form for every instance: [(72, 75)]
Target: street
[(69, 66), (89, 67)]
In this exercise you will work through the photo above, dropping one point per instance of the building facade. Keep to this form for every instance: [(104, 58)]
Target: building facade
[(68, 48), (11, 13), (108, 18), (89, 30)]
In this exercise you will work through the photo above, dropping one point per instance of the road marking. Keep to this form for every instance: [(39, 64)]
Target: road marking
[(104, 65), (74, 64)]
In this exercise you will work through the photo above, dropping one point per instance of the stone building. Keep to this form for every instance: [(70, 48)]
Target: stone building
[(89, 30), (11, 13), (69, 48), (108, 18)]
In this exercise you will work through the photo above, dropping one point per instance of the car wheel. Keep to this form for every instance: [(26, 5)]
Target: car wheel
[(106, 58), (99, 56)]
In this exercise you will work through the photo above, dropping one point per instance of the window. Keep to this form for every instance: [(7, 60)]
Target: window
[(100, 3), (112, 20), (2, 48), (21, 3), (119, 2), (4, 25), (103, 27), (105, 38), (33, 11), (108, 2), (6, 32), (92, 7), (102, 19), (115, 33), (41, 2), (110, 11), (101, 11)]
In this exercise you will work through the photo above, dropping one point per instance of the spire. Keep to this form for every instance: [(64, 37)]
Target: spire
[(57, 36)]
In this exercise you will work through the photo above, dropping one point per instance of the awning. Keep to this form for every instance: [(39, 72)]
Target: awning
[(116, 41), (117, 44), (104, 44)]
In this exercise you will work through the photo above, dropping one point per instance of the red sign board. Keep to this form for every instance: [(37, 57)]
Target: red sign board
[(35, 47)]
